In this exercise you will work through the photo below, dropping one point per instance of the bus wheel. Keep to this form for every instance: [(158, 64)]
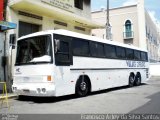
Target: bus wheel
[(138, 79), (82, 87), (131, 80)]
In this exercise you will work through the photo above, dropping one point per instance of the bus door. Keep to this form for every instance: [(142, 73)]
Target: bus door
[(63, 61)]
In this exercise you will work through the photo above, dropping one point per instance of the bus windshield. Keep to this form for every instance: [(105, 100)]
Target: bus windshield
[(34, 50)]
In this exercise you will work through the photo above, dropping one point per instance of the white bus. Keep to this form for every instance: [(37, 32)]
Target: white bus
[(61, 62)]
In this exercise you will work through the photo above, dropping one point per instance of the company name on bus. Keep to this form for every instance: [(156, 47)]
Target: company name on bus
[(135, 63)]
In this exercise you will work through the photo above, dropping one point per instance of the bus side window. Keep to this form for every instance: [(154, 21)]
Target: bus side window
[(137, 55), (63, 54), (120, 52), (80, 47), (129, 54), (110, 51), (97, 49), (144, 56)]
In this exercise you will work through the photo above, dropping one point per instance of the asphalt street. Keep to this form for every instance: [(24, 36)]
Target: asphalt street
[(144, 99)]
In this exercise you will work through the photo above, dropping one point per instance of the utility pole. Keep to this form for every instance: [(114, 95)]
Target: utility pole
[(108, 37)]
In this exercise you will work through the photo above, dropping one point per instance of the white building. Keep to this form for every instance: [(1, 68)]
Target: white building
[(131, 25)]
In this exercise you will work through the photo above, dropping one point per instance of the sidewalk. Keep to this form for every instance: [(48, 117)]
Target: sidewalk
[(10, 95), (155, 78)]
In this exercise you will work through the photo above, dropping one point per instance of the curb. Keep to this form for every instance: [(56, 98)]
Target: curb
[(9, 97), (154, 77)]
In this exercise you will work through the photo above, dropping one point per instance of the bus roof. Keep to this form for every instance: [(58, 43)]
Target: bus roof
[(82, 36)]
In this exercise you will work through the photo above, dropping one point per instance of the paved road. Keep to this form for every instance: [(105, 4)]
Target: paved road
[(141, 99)]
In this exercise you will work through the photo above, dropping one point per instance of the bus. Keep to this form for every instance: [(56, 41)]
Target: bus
[(61, 62)]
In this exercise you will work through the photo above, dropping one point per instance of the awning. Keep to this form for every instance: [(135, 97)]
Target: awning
[(7, 25), (42, 9)]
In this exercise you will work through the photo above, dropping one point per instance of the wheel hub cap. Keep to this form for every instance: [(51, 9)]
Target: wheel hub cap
[(83, 86)]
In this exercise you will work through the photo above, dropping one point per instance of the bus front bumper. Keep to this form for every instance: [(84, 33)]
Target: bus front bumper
[(44, 89)]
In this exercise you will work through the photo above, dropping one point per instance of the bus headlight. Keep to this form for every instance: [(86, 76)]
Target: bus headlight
[(38, 90), (14, 88), (43, 90)]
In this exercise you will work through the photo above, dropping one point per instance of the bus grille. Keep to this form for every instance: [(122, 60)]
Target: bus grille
[(28, 79)]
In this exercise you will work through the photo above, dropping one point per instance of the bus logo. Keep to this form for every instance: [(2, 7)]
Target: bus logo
[(135, 63), (18, 70)]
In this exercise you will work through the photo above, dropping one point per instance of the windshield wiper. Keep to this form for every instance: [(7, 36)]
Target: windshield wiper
[(37, 62), (21, 63), (33, 63)]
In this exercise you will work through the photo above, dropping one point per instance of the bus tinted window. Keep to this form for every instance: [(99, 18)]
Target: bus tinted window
[(146, 56), (137, 55), (129, 54), (64, 47), (120, 52), (97, 49), (110, 51), (143, 56), (62, 50), (80, 47)]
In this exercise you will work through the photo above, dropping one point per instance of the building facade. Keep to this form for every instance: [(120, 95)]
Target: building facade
[(131, 25), (153, 39), (36, 15)]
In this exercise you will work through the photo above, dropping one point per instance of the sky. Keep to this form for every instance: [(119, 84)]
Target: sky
[(152, 6)]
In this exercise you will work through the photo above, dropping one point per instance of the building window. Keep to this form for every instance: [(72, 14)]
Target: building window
[(128, 29), (30, 15), (27, 28), (79, 28), (78, 4), (60, 23)]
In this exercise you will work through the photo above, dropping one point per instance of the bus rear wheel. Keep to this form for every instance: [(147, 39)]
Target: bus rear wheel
[(138, 79), (131, 80), (82, 87)]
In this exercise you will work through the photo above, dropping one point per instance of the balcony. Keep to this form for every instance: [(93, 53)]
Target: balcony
[(128, 35)]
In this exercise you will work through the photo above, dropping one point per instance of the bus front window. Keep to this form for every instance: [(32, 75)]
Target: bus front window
[(34, 50)]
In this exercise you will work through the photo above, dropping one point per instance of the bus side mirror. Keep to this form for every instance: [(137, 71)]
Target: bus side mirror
[(57, 45)]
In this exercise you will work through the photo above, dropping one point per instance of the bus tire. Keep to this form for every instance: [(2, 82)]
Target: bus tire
[(131, 80), (138, 79), (82, 87), (21, 97)]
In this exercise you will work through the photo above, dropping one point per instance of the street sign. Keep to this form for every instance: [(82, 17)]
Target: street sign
[(7, 25)]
